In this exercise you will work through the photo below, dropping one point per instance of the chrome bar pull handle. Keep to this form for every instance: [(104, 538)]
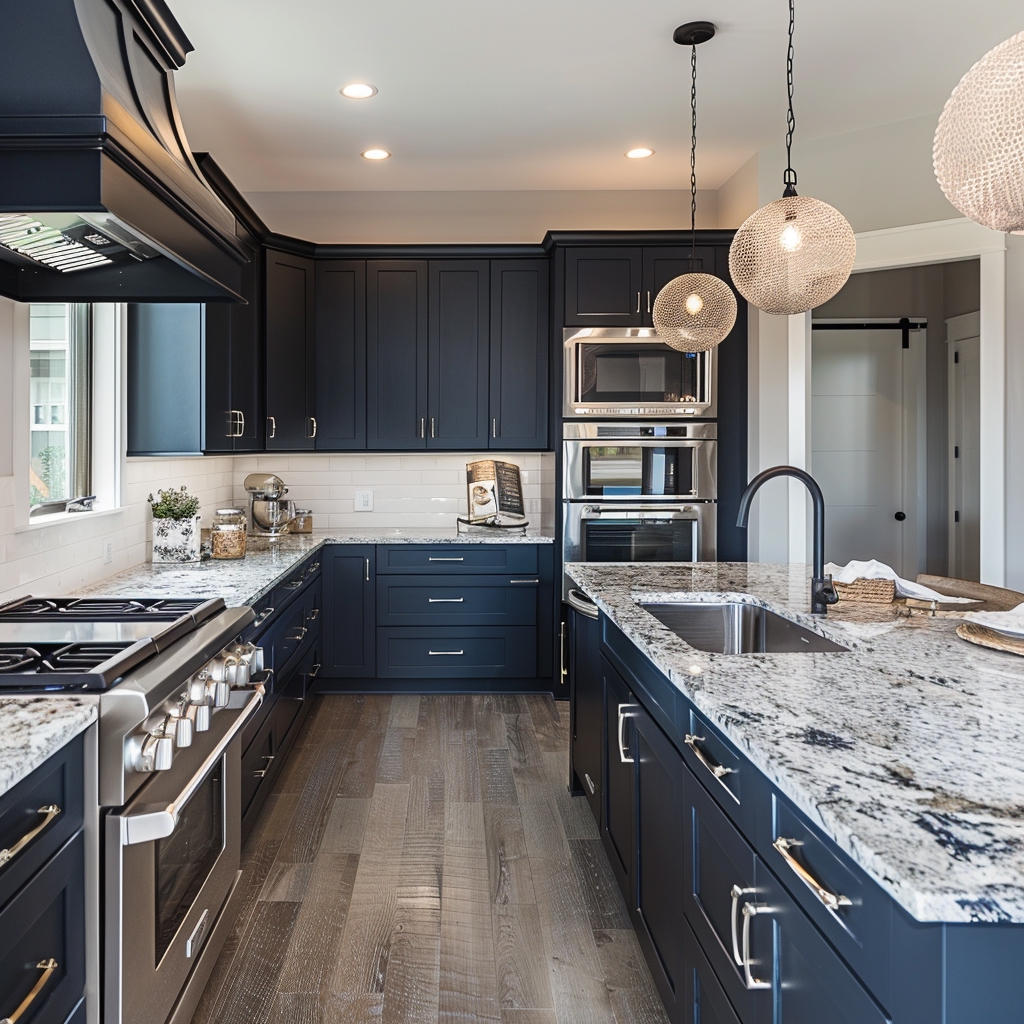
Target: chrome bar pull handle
[(241, 424), (367, 561), (47, 967), (454, 654), (433, 431), (751, 910), (423, 426), (622, 744), (445, 600), (736, 892), (494, 427), (648, 302), (638, 302), (438, 558), (272, 423), (312, 427), (49, 812), (719, 771), (832, 900)]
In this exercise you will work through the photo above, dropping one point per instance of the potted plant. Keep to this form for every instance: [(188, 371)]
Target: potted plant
[(175, 526)]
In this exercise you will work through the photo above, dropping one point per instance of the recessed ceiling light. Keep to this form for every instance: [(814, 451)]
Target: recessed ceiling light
[(359, 91), (640, 153), (376, 154)]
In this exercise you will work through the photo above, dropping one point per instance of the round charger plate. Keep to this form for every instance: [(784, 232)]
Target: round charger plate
[(985, 637)]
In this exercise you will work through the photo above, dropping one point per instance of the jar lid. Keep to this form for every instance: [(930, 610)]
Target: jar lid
[(231, 512), (303, 511)]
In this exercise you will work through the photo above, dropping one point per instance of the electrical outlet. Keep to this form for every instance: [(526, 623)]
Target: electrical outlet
[(533, 506), (108, 550), (364, 501)]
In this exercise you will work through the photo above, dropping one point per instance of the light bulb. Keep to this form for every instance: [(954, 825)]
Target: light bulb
[(791, 239), (694, 304)]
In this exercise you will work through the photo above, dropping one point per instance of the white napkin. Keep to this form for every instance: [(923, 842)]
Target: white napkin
[(1011, 622), (875, 570)]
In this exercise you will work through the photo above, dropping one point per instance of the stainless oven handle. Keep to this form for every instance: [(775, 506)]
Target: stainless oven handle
[(637, 512), (158, 824)]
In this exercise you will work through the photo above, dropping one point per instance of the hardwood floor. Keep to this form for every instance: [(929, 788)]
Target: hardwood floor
[(420, 860)]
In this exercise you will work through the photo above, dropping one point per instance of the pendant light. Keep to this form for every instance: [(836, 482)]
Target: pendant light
[(979, 142), (694, 312), (796, 253)]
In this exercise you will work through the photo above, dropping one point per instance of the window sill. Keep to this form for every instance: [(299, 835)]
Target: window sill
[(63, 518)]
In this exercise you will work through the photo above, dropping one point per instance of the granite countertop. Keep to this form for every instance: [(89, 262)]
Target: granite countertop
[(32, 729), (908, 750), (244, 581)]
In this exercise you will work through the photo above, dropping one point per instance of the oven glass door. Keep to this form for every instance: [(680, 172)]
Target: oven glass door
[(187, 857), (618, 470), (638, 373), (625, 538)]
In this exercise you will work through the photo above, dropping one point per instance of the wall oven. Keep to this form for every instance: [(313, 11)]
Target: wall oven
[(630, 371), (639, 492)]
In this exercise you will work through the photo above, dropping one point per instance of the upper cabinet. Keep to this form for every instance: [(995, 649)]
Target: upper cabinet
[(662, 263), (291, 351), (519, 354), (341, 354)]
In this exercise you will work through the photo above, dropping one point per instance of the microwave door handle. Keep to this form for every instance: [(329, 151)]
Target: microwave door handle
[(159, 822)]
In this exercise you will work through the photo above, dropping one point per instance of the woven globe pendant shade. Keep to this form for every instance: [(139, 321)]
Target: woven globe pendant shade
[(792, 255), (979, 143), (694, 312)]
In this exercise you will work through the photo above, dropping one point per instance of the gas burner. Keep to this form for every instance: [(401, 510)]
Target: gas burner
[(81, 657), (94, 607), (30, 606), (19, 659), (116, 609)]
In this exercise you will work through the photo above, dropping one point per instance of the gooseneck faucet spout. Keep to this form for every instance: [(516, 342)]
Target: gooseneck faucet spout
[(823, 592)]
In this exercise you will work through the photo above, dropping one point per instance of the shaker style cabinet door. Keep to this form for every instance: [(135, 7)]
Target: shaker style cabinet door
[(396, 354), (619, 812), (341, 354), (246, 420), (291, 423), (603, 287), (587, 699), (519, 354), (663, 263), (349, 623), (457, 370)]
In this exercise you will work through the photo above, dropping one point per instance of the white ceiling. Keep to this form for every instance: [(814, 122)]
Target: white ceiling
[(548, 94)]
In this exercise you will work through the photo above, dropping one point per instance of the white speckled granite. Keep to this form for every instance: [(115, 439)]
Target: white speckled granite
[(908, 750), (34, 728), (246, 580)]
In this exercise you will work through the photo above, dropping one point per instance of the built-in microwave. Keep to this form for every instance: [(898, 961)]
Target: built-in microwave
[(630, 371)]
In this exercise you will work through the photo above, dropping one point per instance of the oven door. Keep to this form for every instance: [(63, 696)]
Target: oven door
[(171, 863), (634, 469)]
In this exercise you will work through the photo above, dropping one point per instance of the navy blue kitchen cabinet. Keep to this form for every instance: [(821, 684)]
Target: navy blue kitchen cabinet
[(341, 354), (290, 353), (663, 263), (756, 941), (458, 354), (586, 728), (396, 354), (603, 286), (519, 354), (350, 626)]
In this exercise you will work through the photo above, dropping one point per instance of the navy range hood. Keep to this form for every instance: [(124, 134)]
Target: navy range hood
[(101, 198)]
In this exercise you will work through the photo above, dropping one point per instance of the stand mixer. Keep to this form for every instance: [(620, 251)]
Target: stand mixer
[(269, 514)]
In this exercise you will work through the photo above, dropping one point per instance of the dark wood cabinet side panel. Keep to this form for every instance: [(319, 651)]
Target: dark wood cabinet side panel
[(519, 353), (457, 361), (396, 320), (341, 354)]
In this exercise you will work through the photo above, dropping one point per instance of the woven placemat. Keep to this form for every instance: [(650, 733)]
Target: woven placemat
[(867, 591), (985, 637)]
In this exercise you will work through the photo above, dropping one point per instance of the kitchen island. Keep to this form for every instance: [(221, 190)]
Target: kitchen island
[(902, 758)]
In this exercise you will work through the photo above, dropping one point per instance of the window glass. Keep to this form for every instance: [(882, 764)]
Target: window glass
[(58, 403)]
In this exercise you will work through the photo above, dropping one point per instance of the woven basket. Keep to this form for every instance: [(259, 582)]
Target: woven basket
[(867, 591)]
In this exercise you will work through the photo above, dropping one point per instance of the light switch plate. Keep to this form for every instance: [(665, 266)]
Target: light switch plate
[(108, 550), (364, 501)]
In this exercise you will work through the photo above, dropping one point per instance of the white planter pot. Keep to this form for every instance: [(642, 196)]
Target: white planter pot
[(176, 540)]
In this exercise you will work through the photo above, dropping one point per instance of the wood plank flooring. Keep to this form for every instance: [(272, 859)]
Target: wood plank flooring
[(420, 861)]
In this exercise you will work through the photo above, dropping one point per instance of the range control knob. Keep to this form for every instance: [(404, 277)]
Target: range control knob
[(220, 692), (200, 714), (182, 731), (163, 753), (154, 753)]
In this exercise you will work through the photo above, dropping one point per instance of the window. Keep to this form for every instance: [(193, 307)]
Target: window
[(59, 405)]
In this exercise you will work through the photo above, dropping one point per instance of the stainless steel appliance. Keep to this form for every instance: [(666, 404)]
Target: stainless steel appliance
[(630, 372), (176, 687), (639, 492), (269, 513)]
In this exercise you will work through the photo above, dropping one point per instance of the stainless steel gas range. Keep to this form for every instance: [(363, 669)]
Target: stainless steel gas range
[(176, 687)]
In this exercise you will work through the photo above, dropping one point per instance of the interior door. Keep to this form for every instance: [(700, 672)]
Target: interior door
[(965, 459), (863, 433)]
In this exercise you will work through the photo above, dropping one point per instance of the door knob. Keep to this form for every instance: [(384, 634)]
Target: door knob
[(900, 516)]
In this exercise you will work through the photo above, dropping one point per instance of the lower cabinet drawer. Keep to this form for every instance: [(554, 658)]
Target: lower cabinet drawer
[(453, 558), (42, 941), (47, 806), (466, 601), (457, 653)]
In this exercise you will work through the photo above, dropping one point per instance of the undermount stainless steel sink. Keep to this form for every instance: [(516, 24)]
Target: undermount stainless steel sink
[(735, 628)]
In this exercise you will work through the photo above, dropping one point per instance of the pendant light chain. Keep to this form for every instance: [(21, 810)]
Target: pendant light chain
[(789, 178), (693, 154)]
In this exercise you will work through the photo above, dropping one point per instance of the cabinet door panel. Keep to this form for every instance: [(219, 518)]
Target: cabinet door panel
[(341, 354), (661, 831), (618, 830), (519, 354), (396, 354), (602, 287), (348, 619), (587, 701), (458, 356), (290, 352), (247, 421), (219, 420), (662, 264), (704, 998)]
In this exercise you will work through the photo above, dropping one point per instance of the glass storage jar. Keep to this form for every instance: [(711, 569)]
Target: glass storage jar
[(227, 537)]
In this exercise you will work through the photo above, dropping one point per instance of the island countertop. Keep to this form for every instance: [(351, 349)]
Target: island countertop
[(908, 750), (33, 729), (245, 580)]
